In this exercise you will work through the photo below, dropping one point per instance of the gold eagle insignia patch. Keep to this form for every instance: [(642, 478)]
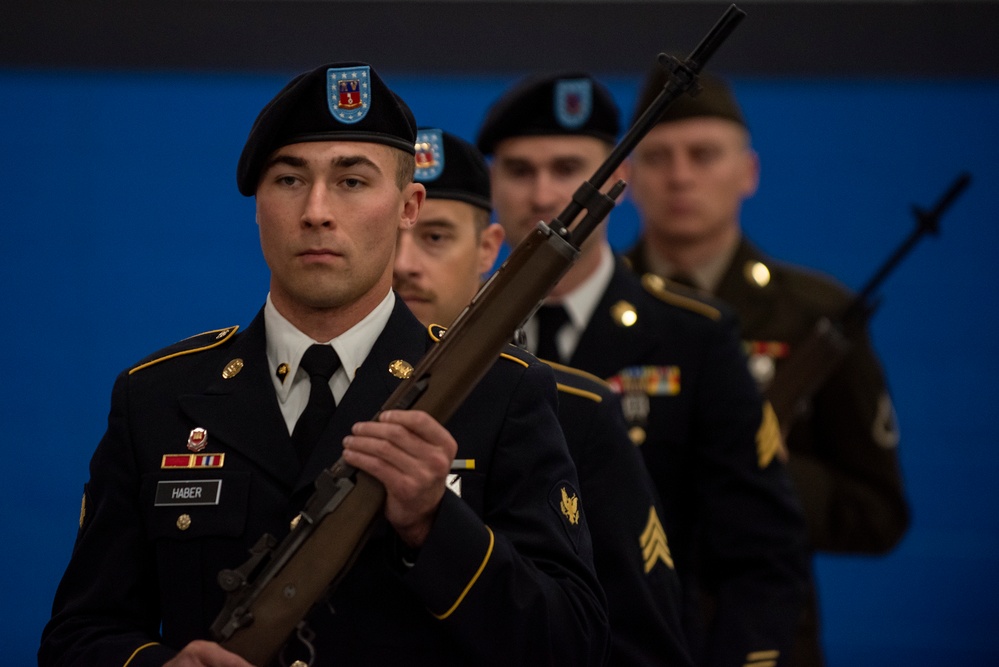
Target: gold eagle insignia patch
[(570, 507)]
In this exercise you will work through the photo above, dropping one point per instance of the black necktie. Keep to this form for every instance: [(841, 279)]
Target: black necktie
[(320, 362), (551, 319)]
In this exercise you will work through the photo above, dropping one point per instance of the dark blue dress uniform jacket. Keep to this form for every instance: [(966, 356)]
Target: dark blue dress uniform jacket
[(630, 549), (505, 577), (735, 527)]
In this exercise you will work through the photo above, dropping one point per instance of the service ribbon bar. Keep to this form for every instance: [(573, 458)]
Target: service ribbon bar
[(188, 461)]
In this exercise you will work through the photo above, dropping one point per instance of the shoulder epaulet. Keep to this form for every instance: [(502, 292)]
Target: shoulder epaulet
[(656, 286), (578, 382), (197, 343), (511, 353)]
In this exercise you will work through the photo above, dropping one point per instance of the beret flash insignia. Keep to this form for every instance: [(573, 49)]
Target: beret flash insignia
[(348, 93), (429, 155), (573, 102)]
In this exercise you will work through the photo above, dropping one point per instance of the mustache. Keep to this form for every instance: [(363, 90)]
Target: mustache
[(407, 289)]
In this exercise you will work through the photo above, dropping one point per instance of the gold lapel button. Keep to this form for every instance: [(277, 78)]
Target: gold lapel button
[(184, 521)]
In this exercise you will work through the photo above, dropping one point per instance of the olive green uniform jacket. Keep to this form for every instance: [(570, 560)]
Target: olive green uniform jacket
[(843, 454)]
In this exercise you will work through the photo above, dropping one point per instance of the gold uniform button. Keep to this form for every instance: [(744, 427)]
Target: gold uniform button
[(184, 521), (637, 435)]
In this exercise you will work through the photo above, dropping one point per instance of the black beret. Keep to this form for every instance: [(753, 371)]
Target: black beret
[(569, 103), (335, 102), (451, 168), (715, 99)]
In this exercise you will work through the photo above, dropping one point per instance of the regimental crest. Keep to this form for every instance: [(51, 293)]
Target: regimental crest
[(573, 102), (429, 155), (348, 93), (564, 499), (762, 356), (197, 440)]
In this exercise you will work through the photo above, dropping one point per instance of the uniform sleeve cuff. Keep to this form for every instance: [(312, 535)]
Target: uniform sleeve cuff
[(452, 559)]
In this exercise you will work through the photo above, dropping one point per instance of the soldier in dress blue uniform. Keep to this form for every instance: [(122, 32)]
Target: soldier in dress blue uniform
[(690, 176), (203, 454), (711, 444), (438, 269)]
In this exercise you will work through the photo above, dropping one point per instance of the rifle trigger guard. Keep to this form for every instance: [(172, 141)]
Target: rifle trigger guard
[(305, 634)]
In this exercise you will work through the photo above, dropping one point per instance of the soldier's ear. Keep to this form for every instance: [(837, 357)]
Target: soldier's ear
[(490, 242), (751, 173), (414, 194)]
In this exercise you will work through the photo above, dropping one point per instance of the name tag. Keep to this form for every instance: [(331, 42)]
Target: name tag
[(189, 492)]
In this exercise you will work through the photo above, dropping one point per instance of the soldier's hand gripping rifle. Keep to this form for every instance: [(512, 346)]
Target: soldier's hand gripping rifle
[(817, 357), (273, 591)]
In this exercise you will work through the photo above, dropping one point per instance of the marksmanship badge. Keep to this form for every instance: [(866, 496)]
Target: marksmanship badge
[(349, 93)]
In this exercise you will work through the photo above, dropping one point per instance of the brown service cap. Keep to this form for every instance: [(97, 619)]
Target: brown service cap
[(715, 99)]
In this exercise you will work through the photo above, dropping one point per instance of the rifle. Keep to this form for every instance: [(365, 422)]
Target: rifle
[(274, 590), (816, 358)]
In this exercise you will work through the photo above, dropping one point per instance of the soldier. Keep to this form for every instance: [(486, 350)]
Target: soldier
[(711, 445), (216, 440), (438, 269), (690, 175)]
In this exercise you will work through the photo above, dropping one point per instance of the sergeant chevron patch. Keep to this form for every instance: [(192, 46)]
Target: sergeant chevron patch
[(769, 442), (654, 544)]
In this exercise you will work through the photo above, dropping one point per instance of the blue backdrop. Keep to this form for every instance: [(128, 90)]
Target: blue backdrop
[(122, 231)]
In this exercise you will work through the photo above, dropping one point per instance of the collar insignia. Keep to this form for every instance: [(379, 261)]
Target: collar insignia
[(232, 369), (401, 369)]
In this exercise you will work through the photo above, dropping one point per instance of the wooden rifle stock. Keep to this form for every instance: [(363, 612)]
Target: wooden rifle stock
[(270, 594), (817, 357)]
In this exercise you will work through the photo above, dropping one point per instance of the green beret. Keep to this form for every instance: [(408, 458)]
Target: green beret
[(335, 102), (715, 99), (451, 168), (561, 104)]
